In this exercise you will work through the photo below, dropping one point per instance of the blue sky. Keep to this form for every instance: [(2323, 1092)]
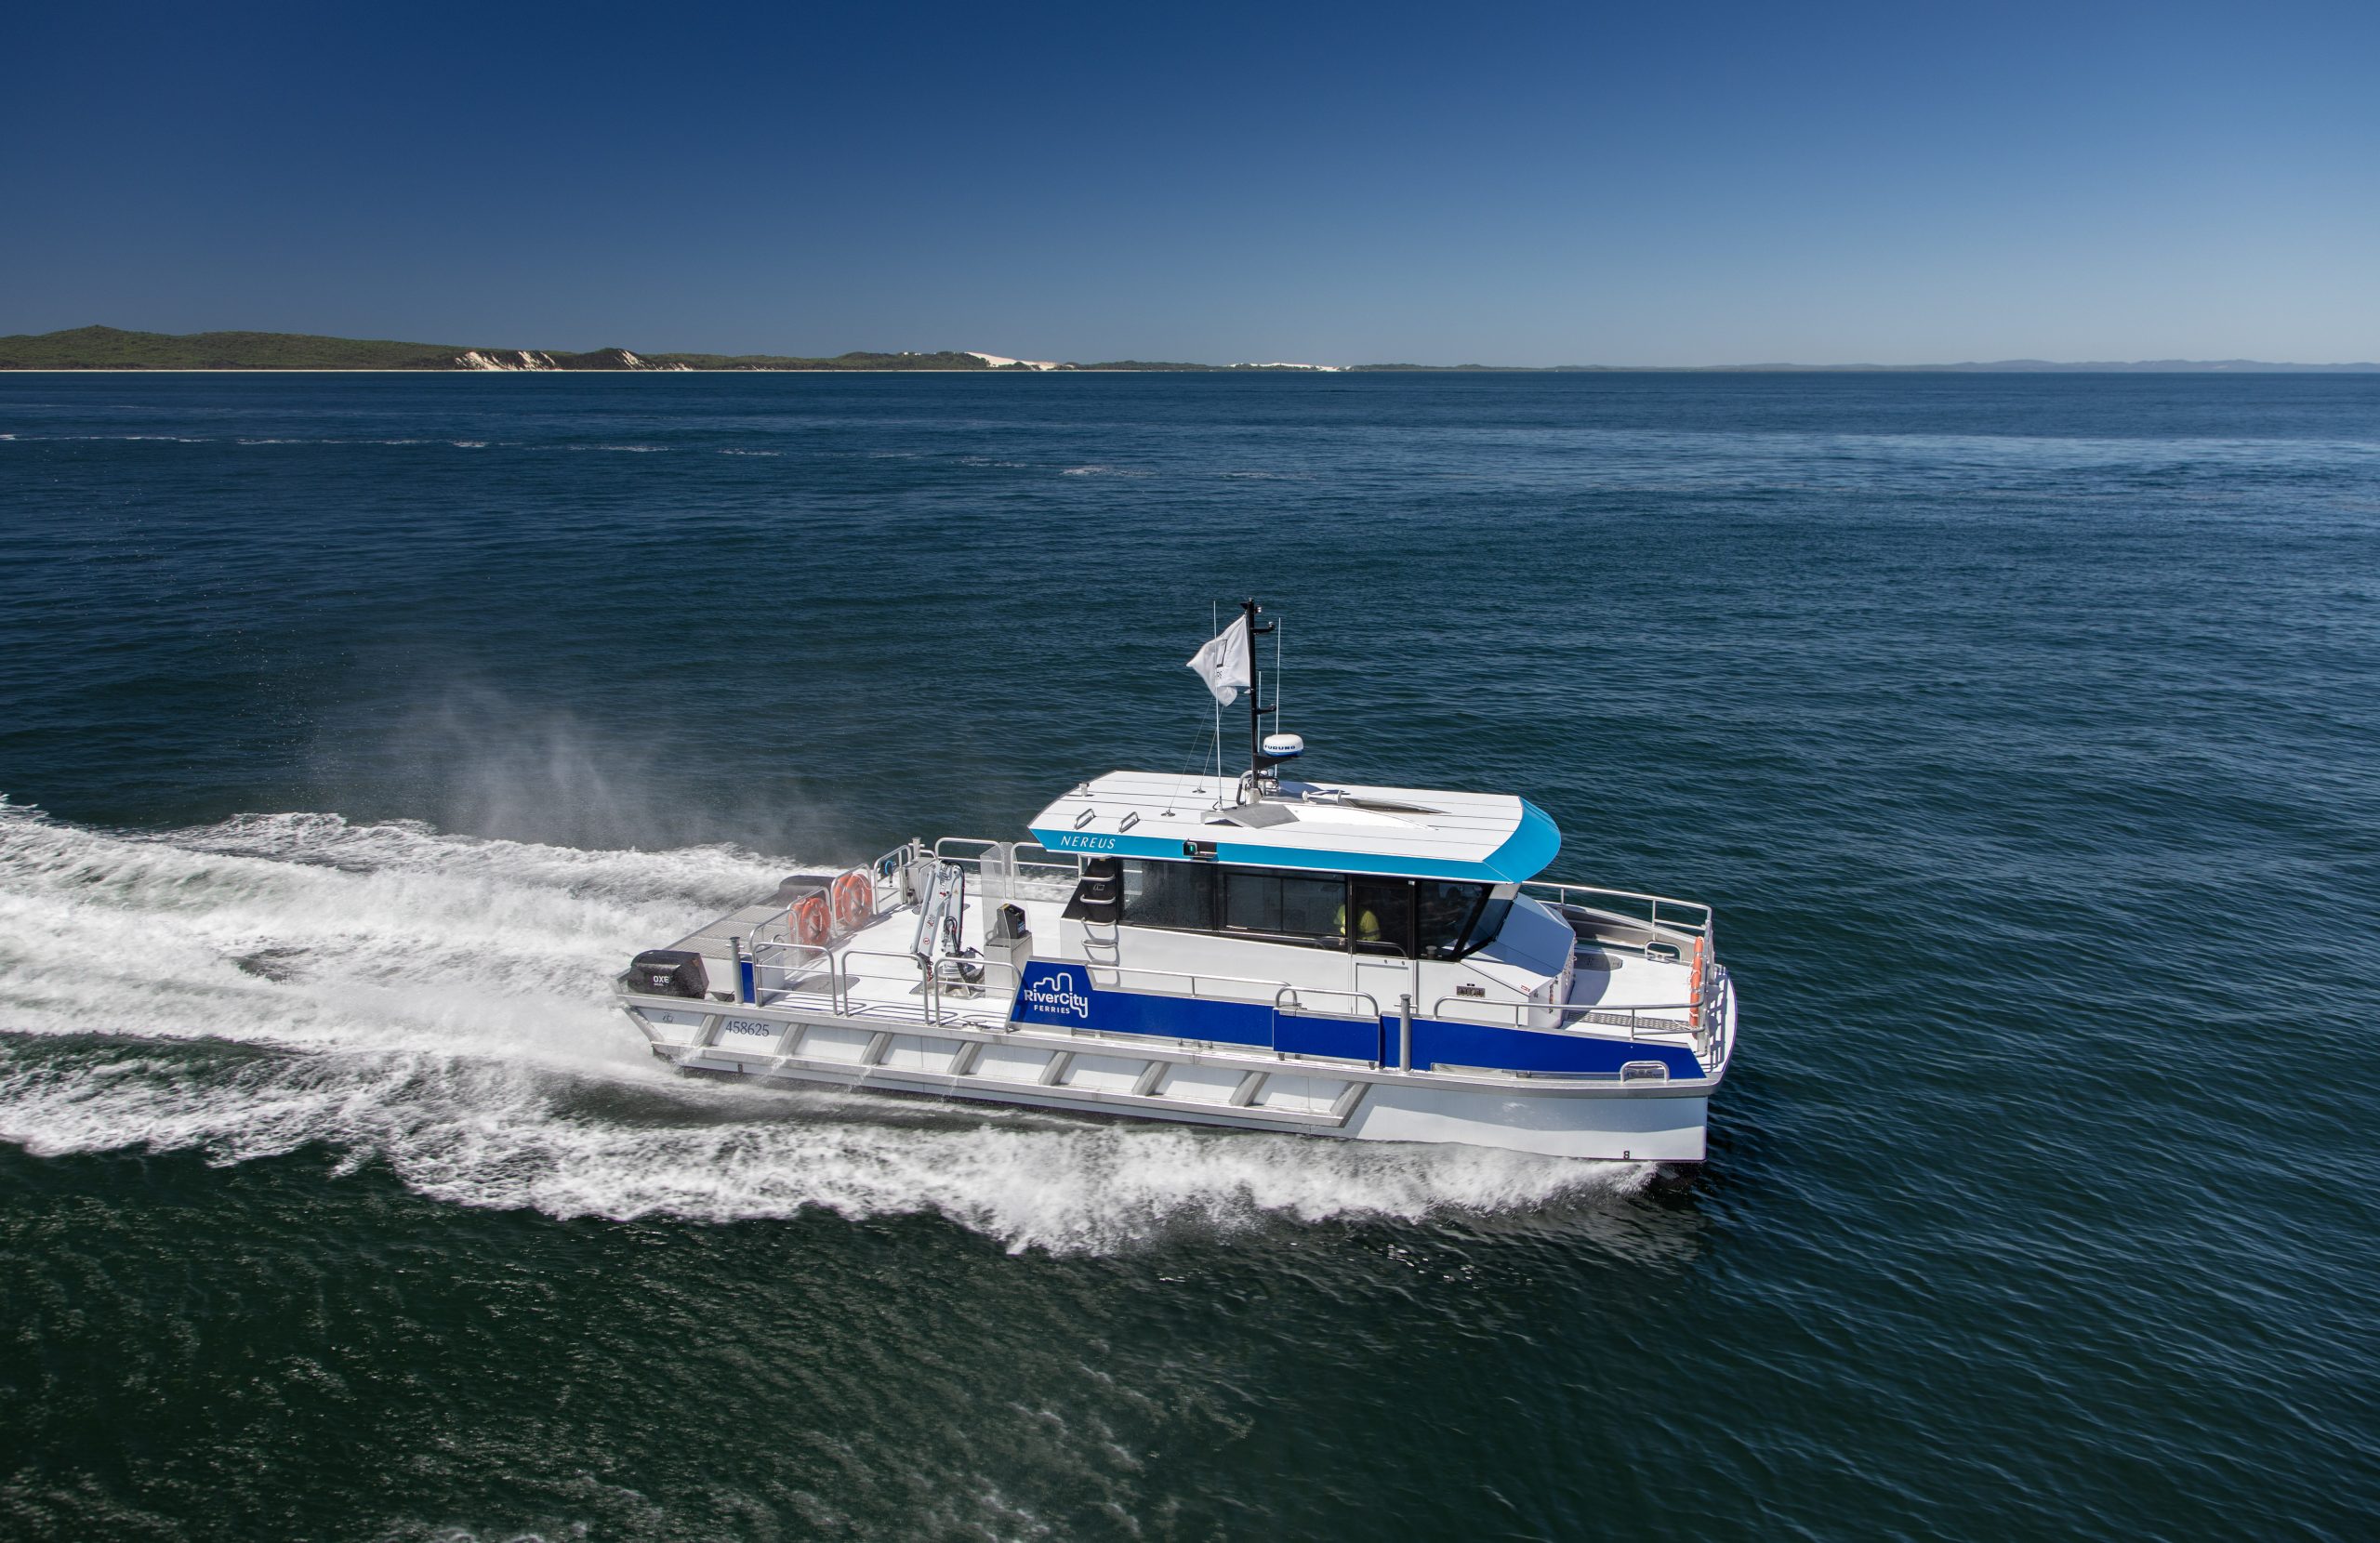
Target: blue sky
[(1573, 184)]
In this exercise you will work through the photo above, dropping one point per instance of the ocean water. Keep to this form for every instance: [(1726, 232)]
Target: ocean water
[(2024, 730)]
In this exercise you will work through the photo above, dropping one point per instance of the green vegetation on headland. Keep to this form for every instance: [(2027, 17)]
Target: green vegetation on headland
[(107, 349), (110, 348)]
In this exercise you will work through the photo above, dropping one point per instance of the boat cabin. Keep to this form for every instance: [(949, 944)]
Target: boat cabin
[(1377, 892)]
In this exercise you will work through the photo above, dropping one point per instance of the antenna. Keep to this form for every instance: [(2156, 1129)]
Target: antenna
[(1259, 763), (1215, 625)]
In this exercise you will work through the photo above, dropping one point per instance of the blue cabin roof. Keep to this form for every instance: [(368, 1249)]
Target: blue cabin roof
[(1411, 832)]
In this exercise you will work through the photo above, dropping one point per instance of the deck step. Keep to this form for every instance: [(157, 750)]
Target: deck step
[(980, 1069)]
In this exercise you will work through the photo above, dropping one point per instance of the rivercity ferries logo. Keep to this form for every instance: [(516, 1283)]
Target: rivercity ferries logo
[(1054, 993)]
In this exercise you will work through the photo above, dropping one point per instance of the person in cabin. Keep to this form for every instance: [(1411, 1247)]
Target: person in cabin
[(1367, 924)]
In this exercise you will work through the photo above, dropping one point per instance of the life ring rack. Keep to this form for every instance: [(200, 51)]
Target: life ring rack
[(855, 895), (807, 922)]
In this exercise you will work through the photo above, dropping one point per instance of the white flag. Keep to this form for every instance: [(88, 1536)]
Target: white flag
[(1222, 664)]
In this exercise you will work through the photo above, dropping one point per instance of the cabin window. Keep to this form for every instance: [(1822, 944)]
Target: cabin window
[(1382, 909), (1285, 905), (1489, 922), (1428, 918), (1169, 894), (1448, 919), (1442, 914)]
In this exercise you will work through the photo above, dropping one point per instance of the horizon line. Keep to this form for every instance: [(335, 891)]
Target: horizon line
[(482, 357)]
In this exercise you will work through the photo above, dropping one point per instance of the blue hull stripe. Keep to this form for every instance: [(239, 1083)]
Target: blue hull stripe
[(1060, 995)]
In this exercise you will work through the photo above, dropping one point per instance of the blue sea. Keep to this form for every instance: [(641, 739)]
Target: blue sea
[(2024, 730)]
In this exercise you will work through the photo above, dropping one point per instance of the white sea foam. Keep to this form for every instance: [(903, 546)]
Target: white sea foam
[(437, 1003)]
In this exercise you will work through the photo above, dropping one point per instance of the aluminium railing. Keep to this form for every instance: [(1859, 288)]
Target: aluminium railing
[(1701, 1022), (1270, 989), (1689, 920), (779, 968), (1012, 870), (1293, 1000), (829, 978)]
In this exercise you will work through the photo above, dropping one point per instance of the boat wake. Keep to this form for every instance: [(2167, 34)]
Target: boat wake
[(438, 1004)]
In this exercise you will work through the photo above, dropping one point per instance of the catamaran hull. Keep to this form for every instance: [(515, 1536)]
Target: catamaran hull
[(1662, 1122), (1643, 1127)]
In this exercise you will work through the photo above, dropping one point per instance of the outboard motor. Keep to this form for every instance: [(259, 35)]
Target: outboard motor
[(669, 973)]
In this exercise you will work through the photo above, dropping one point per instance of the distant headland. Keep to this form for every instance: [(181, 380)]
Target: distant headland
[(113, 348)]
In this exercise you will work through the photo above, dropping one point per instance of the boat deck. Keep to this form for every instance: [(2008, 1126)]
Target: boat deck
[(875, 974)]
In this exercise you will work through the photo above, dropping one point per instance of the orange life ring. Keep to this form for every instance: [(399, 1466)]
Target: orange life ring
[(854, 901), (806, 921), (1694, 1003)]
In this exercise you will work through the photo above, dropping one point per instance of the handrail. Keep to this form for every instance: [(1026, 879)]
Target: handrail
[(840, 970), (884, 873), (1635, 1019), (1001, 979), (1706, 928), (1274, 986), (996, 976), (908, 961), (1569, 1009), (1606, 889), (879, 871), (1014, 849), (910, 969), (1005, 868), (913, 969), (890, 870), (1297, 1006), (939, 983), (791, 969)]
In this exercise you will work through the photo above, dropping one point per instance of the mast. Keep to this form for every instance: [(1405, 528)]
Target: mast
[(1259, 763)]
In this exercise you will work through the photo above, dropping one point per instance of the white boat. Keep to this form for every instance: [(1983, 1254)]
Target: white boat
[(1265, 952)]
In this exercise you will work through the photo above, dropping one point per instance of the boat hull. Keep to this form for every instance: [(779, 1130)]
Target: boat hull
[(1184, 1083)]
